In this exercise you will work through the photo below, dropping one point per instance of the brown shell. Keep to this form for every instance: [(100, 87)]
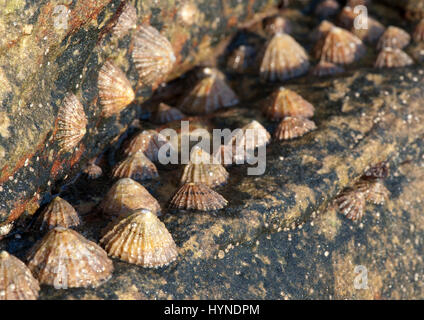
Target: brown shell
[(285, 102), (136, 166), (327, 8), (5, 229), (372, 33), (165, 114), (276, 24), (394, 37), (418, 34), (347, 17), (59, 213), (375, 191), (354, 3), (377, 171), (93, 171), (393, 58), (195, 196), (149, 142), (284, 59), (126, 21), (141, 239), (324, 68), (65, 259), (16, 280), (224, 155), (72, 122), (290, 128), (115, 90), (241, 59), (153, 55), (321, 31), (125, 196), (340, 46), (261, 136), (209, 94), (351, 203)]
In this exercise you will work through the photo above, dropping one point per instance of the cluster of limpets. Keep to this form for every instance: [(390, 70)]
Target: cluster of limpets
[(64, 259)]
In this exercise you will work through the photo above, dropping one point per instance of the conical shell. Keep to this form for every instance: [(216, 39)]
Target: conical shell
[(324, 68), (224, 155), (371, 34), (347, 17), (284, 59), (195, 196), (285, 102), (126, 21), (255, 134), (241, 59), (418, 34), (125, 196), (276, 24), (16, 280), (115, 90), (351, 203), (149, 142), (393, 58), (210, 93), (339, 46), (201, 169), (375, 191), (141, 239), (71, 122), (321, 31), (290, 128), (65, 259), (136, 166), (59, 213), (165, 114), (394, 37), (327, 8), (153, 55), (93, 171)]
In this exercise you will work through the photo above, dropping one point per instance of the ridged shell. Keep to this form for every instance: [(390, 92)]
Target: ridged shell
[(394, 37), (260, 135), (241, 59), (165, 114), (284, 59), (93, 171), (126, 21), (137, 167), (327, 8), (59, 213), (351, 203), (374, 191), (418, 34), (372, 33), (276, 24), (115, 90), (65, 259), (321, 31), (393, 58), (285, 102), (125, 196), (72, 122), (153, 55), (16, 280), (339, 46), (149, 142), (194, 196), (224, 155), (141, 239), (210, 93), (324, 68), (290, 128)]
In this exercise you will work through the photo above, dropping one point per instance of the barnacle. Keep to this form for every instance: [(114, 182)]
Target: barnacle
[(165, 114), (393, 58), (324, 68), (142, 239), (284, 59), (115, 90), (149, 142), (59, 213), (293, 127), (65, 259), (197, 196), (16, 280), (125, 196), (418, 34), (126, 21), (136, 166), (71, 122), (394, 37)]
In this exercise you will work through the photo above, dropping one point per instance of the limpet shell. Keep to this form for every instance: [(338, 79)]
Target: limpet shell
[(293, 127), (136, 166), (394, 37), (196, 196), (58, 213), (393, 58)]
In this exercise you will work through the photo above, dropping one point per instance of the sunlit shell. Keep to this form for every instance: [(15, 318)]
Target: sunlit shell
[(194, 196), (276, 24), (142, 239), (347, 17), (255, 134), (126, 21), (59, 213), (321, 31), (224, 154), (324, 68), (125, 196), (394, 37), (115, 90), (149, 142), (136, 166), (153, 55), (165, 114), (65, 259), (72, 122), (418, 34), (285, 102), (339, 46), (201, 169), (377, 171), (210, 93), (93, 171), (327, 8), (375, 191), (241, 58), (372, 33), (284, 59), (393, 58), (16, 280), (290, 128), (351, 203)]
